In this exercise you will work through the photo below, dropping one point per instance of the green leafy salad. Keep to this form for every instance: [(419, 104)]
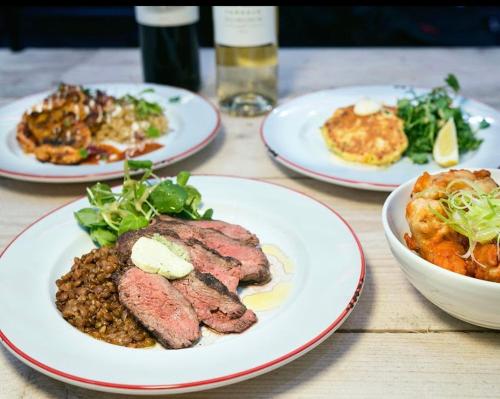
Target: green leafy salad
[(424, 115), (113, 213)]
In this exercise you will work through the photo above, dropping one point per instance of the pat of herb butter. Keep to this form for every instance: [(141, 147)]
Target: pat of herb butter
[(154, 256), (175, 248)]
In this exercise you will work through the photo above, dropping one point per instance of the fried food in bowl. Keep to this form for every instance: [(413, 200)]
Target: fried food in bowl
[(456, 268)]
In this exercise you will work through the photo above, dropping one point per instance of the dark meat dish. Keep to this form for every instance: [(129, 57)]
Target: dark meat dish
[(204, 259), (234, 231), (213, 259), (158, 306), (254, 264), (215, 306)]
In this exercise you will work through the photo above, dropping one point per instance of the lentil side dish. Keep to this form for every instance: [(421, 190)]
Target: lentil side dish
[(87, 298)]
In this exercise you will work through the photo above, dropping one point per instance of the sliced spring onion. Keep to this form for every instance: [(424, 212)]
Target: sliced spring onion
[(473, 213)]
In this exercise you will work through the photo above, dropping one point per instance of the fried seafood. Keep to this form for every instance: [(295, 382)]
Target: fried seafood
[(57, 129), (74, 124), (438, 237)]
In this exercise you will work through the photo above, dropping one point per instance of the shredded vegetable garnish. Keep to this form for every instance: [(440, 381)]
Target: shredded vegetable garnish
[(473, 213)]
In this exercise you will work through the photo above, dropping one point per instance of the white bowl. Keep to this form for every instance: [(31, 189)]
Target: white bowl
[(466, 298)]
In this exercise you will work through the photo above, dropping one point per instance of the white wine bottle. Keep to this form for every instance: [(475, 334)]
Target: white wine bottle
[(246, 50)]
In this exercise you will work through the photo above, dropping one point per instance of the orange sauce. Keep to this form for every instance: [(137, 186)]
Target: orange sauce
[(92, 159), (113, 154), (148, 147)]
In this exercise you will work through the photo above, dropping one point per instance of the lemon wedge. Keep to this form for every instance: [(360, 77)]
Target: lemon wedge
[(445, 151)]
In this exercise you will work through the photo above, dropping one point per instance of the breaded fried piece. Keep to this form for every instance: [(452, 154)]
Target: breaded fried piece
[(57, 129), (435, 240), (376, 139)]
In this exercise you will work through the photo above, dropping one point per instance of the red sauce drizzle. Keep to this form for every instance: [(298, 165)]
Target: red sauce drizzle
[(110, 153)]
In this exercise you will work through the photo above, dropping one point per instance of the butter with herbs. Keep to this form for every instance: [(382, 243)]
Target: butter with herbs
[(152, 255)]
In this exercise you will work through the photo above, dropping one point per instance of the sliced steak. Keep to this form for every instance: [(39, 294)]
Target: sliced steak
[(159, 307), (225, 325), (204, 259), (208, 295), (254, 264), (234, 231), (215, 306)]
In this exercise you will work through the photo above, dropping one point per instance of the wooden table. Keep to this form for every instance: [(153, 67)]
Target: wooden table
[(395, 343)]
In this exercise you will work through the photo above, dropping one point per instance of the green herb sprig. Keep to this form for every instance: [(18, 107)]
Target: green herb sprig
[(425, 114), (143, 108), (113, 213)]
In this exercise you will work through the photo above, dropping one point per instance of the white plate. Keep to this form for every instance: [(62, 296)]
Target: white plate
[(327, 279), (193, 121), (292, 134)]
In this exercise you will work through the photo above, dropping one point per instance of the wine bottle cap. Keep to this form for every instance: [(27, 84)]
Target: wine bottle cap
[(162, 16)]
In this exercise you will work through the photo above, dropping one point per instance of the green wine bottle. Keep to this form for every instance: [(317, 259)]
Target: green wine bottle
[(169, 45)]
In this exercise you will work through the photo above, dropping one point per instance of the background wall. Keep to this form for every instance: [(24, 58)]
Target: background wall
[(299, 26)]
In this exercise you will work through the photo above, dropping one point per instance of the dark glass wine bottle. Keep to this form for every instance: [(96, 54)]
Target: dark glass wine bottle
[(169, 45)]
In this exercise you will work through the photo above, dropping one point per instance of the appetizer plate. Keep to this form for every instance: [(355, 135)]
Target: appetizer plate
[(326, 280), (292, 135), (193, 124)]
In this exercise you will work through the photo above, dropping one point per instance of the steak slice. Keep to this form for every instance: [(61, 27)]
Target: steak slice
[(254, 264), (215, 306), (208, 295), (234, 231), (159, 307), (225, 325), (204, 259)]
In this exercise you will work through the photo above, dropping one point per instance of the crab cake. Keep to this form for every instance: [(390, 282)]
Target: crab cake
[(376, 139)]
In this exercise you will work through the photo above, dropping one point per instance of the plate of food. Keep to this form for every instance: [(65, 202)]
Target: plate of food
[(138, 288), (80, 133), (376, 137), (444, 229)]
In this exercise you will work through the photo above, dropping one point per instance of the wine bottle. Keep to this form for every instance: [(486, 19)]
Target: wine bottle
[(246, 50), (169, 45)]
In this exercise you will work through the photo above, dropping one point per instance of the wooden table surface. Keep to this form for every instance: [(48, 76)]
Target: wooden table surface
[(395, 343)]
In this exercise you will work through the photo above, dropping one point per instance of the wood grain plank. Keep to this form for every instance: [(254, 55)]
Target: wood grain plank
[(374, 353), (445, 365)]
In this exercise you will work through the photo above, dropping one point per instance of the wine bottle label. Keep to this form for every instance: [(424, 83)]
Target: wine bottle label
[(166, 15), (245, 26)]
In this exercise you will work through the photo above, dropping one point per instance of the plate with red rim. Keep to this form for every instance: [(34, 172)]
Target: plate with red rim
[(193, 124), (328, 271), (291, 132)]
